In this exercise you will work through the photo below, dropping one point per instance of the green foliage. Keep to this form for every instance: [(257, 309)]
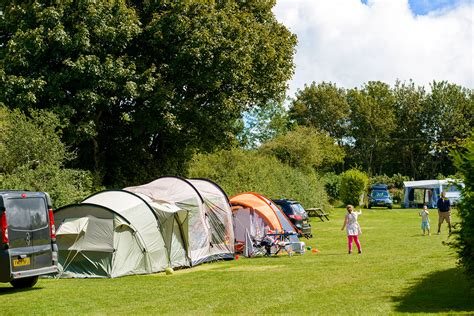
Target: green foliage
[(32, 157), (409, 141), (305, 148), (29, 143), (375, 121), (143, 85), (65, 186), (372, 122), (263, 123), (332, 185), (323, 106), (238, 171), (449, 119), (464, 244), (395, 181), (353, 185)]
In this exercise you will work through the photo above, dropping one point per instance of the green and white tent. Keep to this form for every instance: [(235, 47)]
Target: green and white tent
[(117, 233), (210, 230)]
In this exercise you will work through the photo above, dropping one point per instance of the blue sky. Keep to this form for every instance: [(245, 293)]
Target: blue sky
[(423, 7)]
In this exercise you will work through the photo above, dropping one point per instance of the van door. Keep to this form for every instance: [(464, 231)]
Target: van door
[(29, 235)]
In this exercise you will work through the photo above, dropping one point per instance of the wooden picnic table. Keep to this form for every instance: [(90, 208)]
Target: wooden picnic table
[(317, 212)]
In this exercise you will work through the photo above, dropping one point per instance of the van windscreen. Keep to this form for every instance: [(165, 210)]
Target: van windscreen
[(27, 213), (379, 194)]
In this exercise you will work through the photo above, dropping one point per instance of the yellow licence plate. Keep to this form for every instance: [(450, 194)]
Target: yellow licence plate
[(21, 262)]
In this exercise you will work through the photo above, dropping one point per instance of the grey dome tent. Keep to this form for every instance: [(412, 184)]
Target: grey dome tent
[(116, 233), (210, 231)]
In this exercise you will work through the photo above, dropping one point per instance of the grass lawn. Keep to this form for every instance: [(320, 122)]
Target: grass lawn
[(400, 271)]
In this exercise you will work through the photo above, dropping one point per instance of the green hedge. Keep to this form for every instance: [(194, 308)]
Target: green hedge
[(32, 157), (332, 185), (238, 171)]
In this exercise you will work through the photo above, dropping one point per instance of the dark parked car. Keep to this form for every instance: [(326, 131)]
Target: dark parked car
[(379, 196), (28, 242), (297, 215)]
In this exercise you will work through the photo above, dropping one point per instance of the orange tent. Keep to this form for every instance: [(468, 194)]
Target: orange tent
[(254, 214), (258, 203)]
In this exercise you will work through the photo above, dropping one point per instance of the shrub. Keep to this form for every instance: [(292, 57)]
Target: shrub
[(35, 161), (397, 195), (238, 171), (464, 241), (353, 185), (332, 184)]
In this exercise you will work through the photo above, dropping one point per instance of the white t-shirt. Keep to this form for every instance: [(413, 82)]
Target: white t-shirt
[(353, 227)]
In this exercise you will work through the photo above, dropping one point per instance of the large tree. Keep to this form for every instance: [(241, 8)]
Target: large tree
[(448, 121), (142, 84), (323, 106), (372, 122), (409, 139)]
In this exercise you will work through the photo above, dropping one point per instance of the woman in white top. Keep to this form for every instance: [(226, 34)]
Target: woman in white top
[(353, 228)]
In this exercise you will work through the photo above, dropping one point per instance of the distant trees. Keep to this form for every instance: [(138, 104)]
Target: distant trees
[(141, 86), (372, 121), (386, 130), (305, 148)]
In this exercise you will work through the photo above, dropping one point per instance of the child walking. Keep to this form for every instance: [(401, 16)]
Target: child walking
[(353, 228), (425, 220)]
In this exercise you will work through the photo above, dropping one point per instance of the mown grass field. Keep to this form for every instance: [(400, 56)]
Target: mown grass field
[(400, 271)]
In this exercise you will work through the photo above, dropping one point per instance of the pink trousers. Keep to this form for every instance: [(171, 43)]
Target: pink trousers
[(354, 238)]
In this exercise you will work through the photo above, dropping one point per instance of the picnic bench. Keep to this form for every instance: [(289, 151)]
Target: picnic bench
[(317, 212)]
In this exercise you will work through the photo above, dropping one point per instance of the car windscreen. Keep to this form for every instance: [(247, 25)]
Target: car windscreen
[(298, 209), (379, 194), (27, 213)]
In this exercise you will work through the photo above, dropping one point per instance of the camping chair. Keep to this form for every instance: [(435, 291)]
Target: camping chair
[(282, 242), (262, 246), (272, 244)]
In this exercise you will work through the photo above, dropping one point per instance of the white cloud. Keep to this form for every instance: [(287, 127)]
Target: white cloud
[(350, 43)]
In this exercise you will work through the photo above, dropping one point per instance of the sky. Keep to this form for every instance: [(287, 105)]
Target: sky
[(351, 42)]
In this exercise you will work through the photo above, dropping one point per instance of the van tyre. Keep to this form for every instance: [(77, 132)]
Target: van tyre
[(24, 282)]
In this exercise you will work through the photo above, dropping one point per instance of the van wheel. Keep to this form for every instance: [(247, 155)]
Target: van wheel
[(24, 282)]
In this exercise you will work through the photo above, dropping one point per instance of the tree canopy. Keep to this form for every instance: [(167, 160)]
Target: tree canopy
[(140, 86), (304, 148), (391, 130)]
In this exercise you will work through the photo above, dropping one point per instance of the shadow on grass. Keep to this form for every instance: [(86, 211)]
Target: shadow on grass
[(440, 291), (12, 290)]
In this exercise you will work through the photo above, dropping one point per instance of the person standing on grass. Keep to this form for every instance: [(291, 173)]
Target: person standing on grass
[(425, 220), (444, 211), (353, 228)]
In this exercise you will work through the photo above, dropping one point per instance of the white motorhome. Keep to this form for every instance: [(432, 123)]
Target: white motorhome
[(418, 193)]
